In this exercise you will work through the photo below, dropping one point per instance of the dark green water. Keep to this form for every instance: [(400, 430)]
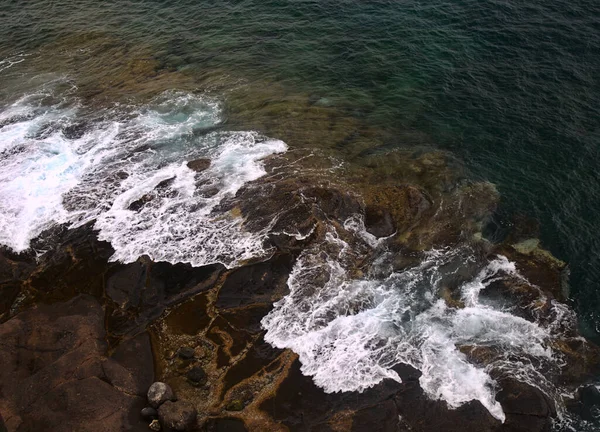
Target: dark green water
[(511, 87)]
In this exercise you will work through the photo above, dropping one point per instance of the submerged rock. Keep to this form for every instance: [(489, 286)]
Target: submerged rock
[(141, 202)]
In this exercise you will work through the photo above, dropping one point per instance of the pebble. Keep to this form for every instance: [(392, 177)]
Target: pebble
[(196, 376), (186, 353)]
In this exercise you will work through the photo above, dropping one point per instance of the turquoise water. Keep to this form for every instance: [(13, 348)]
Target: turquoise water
[(511, 87)]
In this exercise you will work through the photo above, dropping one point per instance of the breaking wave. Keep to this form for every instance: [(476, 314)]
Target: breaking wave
[(350, 332), (125, 168)]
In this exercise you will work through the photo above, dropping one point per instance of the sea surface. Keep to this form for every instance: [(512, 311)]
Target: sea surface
[(510, 88)]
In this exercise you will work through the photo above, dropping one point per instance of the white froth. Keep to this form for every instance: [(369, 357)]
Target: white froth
[(37, 165), (9, 62), (180, 226), (350, 333), (49, 176)]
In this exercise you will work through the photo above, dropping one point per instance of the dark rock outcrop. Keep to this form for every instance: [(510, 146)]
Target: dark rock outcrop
[(56, 374), (526, 407)]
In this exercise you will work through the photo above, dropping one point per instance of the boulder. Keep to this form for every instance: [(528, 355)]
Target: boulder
[(179, 416), (526, 407), (185, 353), (149, 413), (159, 393), (199, 165)]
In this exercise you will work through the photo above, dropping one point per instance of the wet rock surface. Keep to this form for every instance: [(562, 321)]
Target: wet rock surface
[(57, 374), (199, 165), (82, 339)]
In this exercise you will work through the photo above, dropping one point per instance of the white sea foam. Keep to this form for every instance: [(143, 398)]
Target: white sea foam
[(178, 225), (126, 156), (350, 333), (10, 61), (37, 165)]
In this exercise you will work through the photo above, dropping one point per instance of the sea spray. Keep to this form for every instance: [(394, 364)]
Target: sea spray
[(62, 166), (350, 332)]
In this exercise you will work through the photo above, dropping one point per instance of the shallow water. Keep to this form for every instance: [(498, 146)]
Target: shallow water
[(510, 88)]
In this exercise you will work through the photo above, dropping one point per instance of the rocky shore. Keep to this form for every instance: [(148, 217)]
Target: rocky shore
[(83, 339), (88, 344)]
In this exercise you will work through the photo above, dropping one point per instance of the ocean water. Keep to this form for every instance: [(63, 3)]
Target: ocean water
[(511, 88)]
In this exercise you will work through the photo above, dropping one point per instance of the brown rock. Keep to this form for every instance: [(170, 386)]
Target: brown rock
[(225, 425), (199, 165), (159, 393), (2, 425), (257, 283), (180, 415), (141, 291), (53, 374)]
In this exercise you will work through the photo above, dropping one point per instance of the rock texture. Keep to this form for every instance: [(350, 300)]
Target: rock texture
[(199, 165), (179, 416), (80, 336), (159, 393), (56, 372)]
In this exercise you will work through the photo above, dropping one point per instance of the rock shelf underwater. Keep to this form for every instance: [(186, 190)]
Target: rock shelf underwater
[(366, 294)]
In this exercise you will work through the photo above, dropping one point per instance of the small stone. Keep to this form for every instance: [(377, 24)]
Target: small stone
[(179, 416), (155, 425), (186, 353), (159, 393), (196, 376), (149, 413)]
